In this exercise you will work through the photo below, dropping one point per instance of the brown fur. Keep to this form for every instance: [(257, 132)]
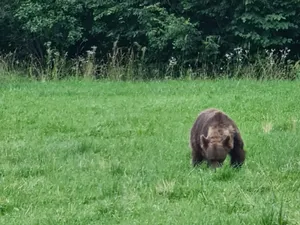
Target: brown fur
[(213, 136)]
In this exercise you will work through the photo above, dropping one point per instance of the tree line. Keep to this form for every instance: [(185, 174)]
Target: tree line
[(175, 32)]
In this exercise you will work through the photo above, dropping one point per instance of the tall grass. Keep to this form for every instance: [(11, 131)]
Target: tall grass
[(130, 64)]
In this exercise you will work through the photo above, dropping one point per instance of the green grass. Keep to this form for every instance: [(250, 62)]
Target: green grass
[(88, 152)]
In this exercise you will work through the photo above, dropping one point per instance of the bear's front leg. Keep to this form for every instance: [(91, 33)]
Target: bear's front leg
[(237, 158), (197, 158), (238, 153)]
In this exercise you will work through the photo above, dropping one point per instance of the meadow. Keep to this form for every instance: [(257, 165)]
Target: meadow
[(112, 152)]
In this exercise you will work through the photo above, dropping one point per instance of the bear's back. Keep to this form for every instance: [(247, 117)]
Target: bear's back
[(213, 118)]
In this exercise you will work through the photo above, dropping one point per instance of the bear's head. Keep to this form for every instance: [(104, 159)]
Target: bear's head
[(216, 148)]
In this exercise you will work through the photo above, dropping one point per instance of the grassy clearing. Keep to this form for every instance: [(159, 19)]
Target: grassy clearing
[(117, 153)]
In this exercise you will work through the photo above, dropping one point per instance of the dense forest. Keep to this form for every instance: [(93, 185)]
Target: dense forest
[(151, 37)]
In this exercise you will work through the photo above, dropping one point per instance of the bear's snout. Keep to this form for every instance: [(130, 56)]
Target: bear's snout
[(216, 154), (215, 164)]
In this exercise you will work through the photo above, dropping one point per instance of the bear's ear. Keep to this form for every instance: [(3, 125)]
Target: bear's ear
[(228, 141), (204, 141)]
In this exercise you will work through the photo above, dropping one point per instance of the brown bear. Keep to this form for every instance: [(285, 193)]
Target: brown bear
[(213, 136)]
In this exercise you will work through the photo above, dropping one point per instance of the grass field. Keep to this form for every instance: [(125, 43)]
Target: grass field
[(117, 153)]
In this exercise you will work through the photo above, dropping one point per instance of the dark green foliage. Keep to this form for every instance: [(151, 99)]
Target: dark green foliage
[(267, 23), (193, 32)]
